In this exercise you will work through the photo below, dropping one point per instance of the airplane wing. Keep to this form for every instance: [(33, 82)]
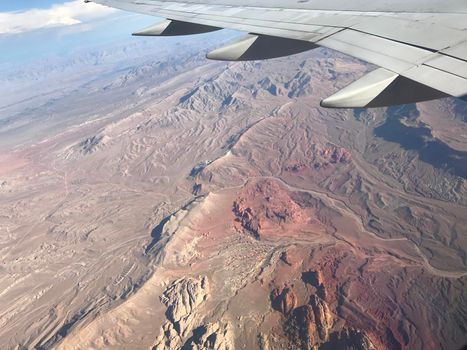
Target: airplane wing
[(420, 45)]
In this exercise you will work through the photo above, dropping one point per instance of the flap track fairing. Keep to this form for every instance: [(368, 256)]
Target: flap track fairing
[(259, 47), (175, 28), (381, 88)]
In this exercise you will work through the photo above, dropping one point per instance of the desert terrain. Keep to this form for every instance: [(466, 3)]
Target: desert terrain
[(158, 200)]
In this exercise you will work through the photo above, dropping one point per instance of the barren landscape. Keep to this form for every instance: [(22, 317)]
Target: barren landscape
[(178, 203)]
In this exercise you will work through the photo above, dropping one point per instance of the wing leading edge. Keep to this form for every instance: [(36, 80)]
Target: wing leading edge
[(421, 47)]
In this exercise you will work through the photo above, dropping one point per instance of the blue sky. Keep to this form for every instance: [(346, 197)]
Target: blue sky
[(24, 16), (15, 5), (30, 29)]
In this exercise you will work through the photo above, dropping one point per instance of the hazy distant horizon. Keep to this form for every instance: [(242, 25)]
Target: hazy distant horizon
[(24, 41)]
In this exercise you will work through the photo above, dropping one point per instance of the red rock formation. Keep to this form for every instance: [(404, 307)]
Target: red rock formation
[(305, 325), (266, 206), (323, 317), (316, 279), (347, 339), (301, 328), (283, 301)]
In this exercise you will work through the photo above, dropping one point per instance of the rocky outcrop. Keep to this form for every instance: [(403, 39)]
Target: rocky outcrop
[(213, 336), (295, 167), (307, 326), (284, 301), (267, 85), (333, 155), (310, 325), (313, 325), (301, 329), (323, 317), (183, 329), (349, 339), (316, 279), (300, 85), (285, 257), (4, 185), (263, 342), (322, 157), (93, 144), (182, 299), (266, 206)]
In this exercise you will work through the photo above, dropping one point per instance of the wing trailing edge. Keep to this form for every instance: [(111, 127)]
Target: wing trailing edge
[(422, 52)]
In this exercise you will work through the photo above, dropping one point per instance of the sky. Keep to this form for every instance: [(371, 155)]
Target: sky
[(36, 28), (27, 16), (14, 5)]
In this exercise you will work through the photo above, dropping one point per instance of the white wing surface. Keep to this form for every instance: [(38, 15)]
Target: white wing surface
[(420, 45)]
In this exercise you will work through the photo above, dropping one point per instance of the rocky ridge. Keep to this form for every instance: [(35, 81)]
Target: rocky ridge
[(312, 325), (184, 300)]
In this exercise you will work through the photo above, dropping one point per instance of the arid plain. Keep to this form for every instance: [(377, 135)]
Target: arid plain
[(188, 204)]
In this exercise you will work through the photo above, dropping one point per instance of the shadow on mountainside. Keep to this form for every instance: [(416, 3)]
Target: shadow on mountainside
[(421, 140)]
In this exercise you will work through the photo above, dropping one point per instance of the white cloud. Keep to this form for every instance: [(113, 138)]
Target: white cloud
[(59, 15)]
